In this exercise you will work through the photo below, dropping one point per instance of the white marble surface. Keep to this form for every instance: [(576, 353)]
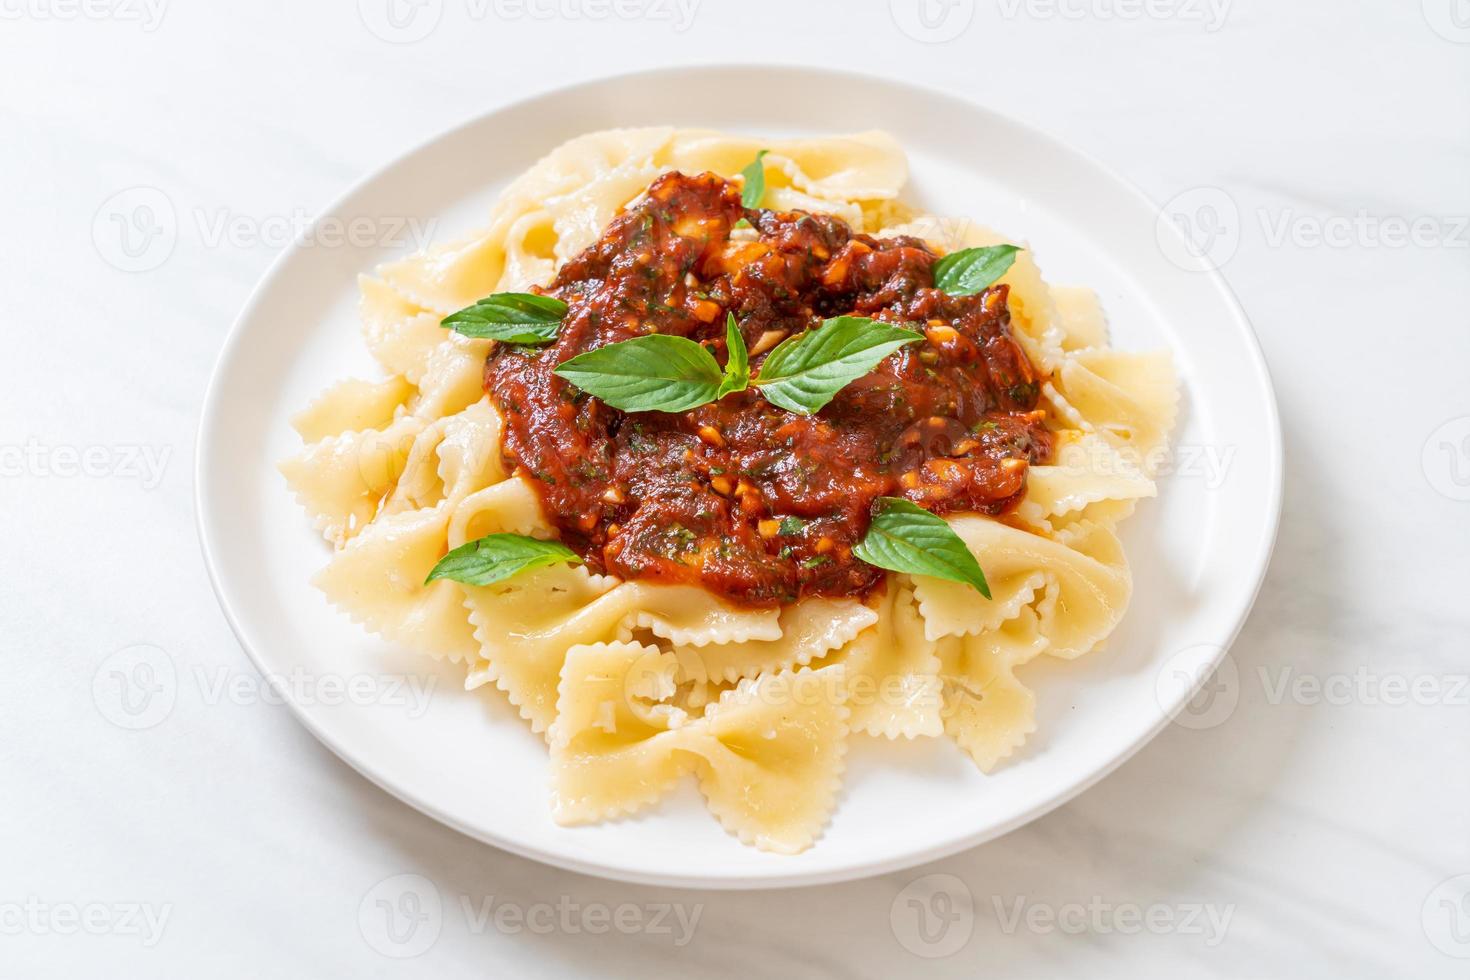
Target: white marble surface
[(1308, 834)]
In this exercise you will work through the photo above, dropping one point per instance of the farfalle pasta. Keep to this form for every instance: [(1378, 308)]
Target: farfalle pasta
[(875, 468), (768, 753)]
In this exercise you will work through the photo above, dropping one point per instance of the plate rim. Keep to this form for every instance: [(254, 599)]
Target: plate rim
[(758, 878)]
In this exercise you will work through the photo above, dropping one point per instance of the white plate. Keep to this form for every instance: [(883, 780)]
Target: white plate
[(1199, 552)]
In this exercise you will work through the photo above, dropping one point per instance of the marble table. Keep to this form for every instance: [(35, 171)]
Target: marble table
[(1321, 828)]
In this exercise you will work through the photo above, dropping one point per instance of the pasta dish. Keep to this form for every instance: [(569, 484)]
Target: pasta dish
[(711, 454)]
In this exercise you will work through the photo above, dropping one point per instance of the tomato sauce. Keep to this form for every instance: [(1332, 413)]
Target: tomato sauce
[(756, 504)]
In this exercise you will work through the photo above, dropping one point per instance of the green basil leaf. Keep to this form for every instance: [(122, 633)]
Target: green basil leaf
[(970, 270), (807, 371), (737, 363), (500, 556), (514, 318), (905, 537), (657, 373), (754, 188)]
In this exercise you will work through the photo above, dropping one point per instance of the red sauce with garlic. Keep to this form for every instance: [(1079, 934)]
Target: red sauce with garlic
[(754, 503)]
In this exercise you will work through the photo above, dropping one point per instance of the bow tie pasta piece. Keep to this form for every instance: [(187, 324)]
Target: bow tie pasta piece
[(836, 175), (613, 742), (574, 191), (341, 481), (453, 377), (378, 581), (808, 630), (771, 756), (583, 159), (352, 406), (451, 459), (892, 671), (446, 367), (525, 625), (769, 753), (446, 278), (688, 616), (1131, 399), (860, 167), (952, 609), (377, 578), (1058, 407), (527, 262), (986, 709), (399, 334), (575, 219), (1104, 513), (508, 507), (1086, 596), (791, 199), (1080, 317), (1088, 479), (1086, 577), (550, 213)]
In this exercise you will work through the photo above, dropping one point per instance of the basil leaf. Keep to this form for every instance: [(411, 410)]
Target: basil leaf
[(514, 318), (500, 556), (970, 270), (657, 373), (754, 188), (807, 371), (737, 363), (905, 537)]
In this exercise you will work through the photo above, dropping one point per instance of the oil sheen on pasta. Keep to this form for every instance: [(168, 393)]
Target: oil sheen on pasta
[(752, 502)]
